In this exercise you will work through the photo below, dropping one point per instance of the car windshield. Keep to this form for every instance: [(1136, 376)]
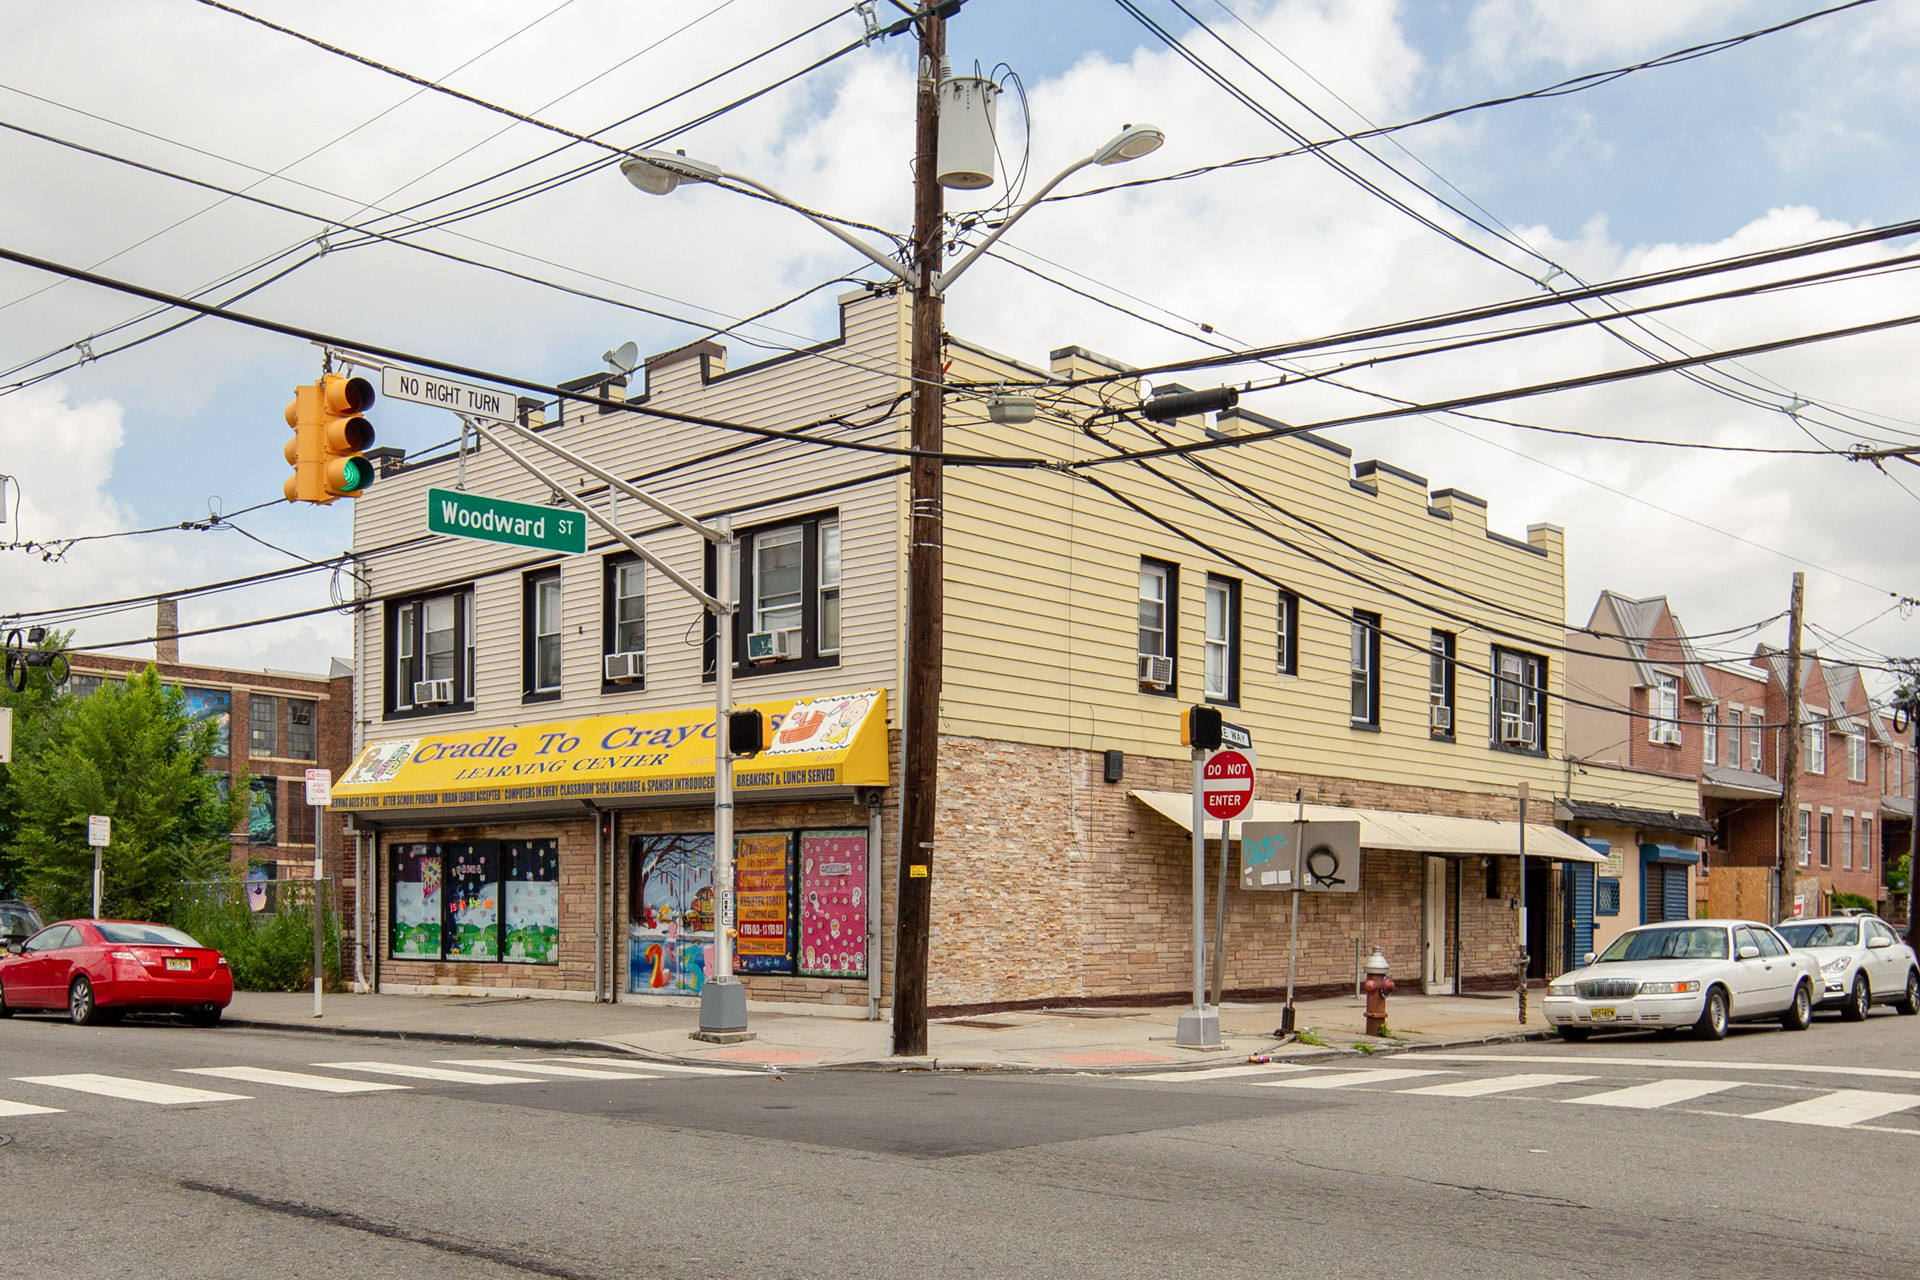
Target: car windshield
[(1667, 944), (152, 935), (18, 922), (1821, 935)]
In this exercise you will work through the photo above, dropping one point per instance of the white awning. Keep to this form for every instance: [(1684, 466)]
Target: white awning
[(1391, 829)]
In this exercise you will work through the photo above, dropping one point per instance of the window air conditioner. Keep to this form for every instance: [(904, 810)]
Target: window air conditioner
[(773, 646), (432, 693), (1516, 732), (1442, 718), (625, 668), (1156, 670)]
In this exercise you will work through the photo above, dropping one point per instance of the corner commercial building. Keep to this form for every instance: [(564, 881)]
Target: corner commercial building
[(1395, 660)]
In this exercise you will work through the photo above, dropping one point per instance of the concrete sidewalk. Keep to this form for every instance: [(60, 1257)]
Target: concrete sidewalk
[(790, 1037)]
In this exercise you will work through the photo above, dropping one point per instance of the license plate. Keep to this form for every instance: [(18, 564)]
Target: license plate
[(179, 964), (1602, 1015)]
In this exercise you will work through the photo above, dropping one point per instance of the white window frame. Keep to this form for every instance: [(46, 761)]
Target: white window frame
[(1663, 704), (1736, 739), (1856, 757), (626, 573), (1866, 842), (1816, 744), (794, 601), (827, 611), (1440, 677), (1806, 835), (409, 645), (1363, 668), (1286, 635), (1710, 735), (1221, 640), (1158, 579), (548, 625), (1756, 745), (1516, 696), (1846, 842)]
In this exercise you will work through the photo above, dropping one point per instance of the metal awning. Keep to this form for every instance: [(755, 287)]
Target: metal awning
[(1620, 815), (1718, 782), (1391, 829)]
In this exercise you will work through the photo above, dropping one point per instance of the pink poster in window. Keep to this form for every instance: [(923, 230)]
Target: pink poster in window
[(833, 904)]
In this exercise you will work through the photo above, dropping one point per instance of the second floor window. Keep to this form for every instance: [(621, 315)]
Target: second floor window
[(787, 583), (1826, 839), (779, 573), (300, 727), (543, 633), (430, 645), (1753, 743), (262, 720), (1664, 724), (1440, 683), (1364, 668), (1286, 634), (1817, 746), (1735, 752), (1892, 785), (1846, 842), (629, 607), (1223, 640), (1806, 836), (1710, 736), (1159, 585), (1520, 700), (1856, 757), (829, 591)]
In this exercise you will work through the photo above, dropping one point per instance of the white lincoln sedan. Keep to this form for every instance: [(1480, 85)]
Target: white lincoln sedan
[(1701, 974)]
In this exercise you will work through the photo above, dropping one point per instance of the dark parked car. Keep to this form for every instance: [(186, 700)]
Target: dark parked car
[(18, 921)]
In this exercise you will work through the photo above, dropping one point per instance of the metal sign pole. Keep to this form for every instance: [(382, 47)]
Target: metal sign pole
[(96, 883), (1220, 917), (1293, 928), (319, 931), (1520, 966), (99, 835), (1199, 1028)]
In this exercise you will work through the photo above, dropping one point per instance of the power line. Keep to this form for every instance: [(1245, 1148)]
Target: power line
[(57, 548)]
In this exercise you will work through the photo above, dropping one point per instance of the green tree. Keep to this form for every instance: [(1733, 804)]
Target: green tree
[(132, 753), (36, 710)]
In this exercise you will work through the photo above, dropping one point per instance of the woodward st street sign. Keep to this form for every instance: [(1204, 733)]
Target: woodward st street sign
[(520, 524), (445, 393)]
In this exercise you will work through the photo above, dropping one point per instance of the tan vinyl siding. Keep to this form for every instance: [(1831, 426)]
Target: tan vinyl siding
[(1042, 578), (858, 377)]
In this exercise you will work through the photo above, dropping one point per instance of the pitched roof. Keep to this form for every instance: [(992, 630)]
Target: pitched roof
[(1634, 622)]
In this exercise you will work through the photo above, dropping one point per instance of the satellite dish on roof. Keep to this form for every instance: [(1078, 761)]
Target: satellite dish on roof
[(624, 359)]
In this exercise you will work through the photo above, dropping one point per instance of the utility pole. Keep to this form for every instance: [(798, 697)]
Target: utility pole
[(1790, 755), (920, 719)]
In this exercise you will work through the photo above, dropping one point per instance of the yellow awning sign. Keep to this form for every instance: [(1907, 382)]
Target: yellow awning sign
[(838, 741)]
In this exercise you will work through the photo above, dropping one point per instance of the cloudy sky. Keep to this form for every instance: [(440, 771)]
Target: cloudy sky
[(1794, 136)]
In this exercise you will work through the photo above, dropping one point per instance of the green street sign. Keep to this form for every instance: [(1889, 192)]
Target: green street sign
[(520, 524)]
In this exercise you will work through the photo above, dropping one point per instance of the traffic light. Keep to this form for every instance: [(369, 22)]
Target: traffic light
[(329, 437), (1200, 728)]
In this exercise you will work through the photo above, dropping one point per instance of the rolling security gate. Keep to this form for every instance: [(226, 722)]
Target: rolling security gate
[(1663, 878), (1579, 910)]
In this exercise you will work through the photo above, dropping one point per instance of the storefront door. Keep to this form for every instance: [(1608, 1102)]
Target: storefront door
[(1437, 971)]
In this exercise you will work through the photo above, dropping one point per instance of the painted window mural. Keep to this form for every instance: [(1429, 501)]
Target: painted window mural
[(215, 705), (416, 901), (833, 904), (263, 818), (532, 900), (763, 881), (473, 901), (670, 912)]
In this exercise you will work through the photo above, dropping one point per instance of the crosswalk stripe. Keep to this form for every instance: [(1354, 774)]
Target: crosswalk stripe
[(1660, 1093), (292, 1079), (25, 1109), (166, 1095), (1679, 1064), (672, 1068), (1345, 1079), (411, 1072), (1493, 1084), (1841, 1108), (546, 1069), (1223, 1073)]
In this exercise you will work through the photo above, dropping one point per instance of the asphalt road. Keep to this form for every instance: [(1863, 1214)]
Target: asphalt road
[(1497, 1167)]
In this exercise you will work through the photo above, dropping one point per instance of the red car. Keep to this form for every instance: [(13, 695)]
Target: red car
[(99, 969)]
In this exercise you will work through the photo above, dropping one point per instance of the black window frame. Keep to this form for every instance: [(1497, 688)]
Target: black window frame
[(1286, 627), (463, 675), (1446, 652), (530, 584), (1169, 624), (1232, 696), (1372, 624), (312, 726), (811, 659), (1537, 688), (610, 569), (500, 853)]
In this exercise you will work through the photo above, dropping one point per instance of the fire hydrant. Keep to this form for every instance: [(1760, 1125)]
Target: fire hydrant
[(1377, 986)]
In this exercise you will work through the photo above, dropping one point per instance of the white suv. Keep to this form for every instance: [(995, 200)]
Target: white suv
[(1862, 963)]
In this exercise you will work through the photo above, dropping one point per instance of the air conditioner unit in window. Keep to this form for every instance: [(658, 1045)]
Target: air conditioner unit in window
[(1442, 717), (773, 646), (1516, 732), (1156, 670), (432, 693), (625, 668)]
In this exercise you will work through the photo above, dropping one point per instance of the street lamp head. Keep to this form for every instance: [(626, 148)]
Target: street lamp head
[(658, 172), (1130, 143)]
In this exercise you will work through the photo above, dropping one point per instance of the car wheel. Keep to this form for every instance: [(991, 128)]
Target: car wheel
[(1858, 1001), (1713, 1017), (1574, 1035), (6, 1010), (1799, 1014), (207, 1017), (81, 1009), (1909, 1003)]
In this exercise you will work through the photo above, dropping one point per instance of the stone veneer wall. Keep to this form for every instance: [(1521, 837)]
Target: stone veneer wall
[(1051, 884)]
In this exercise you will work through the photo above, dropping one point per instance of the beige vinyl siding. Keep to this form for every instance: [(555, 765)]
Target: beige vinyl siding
[(1042, 578), (402, 559)]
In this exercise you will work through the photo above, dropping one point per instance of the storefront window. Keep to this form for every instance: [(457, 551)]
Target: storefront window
[(473, 902), (833, 904), (763, 880), (670, 906), (479, 900), (417, 879), (532, 869)]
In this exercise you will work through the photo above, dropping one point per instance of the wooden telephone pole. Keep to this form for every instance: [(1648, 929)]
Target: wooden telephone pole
[(1790, 756), (926, 556)]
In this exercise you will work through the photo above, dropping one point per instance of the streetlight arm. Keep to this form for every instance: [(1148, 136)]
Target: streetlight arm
[(952, 273), (856, 242)]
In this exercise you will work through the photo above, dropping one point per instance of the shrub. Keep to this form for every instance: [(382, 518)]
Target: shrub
[(267, 950)]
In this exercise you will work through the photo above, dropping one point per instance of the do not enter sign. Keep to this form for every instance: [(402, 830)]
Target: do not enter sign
[(1226, 784)]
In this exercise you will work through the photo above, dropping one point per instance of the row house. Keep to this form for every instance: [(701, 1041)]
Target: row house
[(1720, 724), (534, 783)]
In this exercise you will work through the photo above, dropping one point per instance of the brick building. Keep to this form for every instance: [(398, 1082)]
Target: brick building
[(272, 727)]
